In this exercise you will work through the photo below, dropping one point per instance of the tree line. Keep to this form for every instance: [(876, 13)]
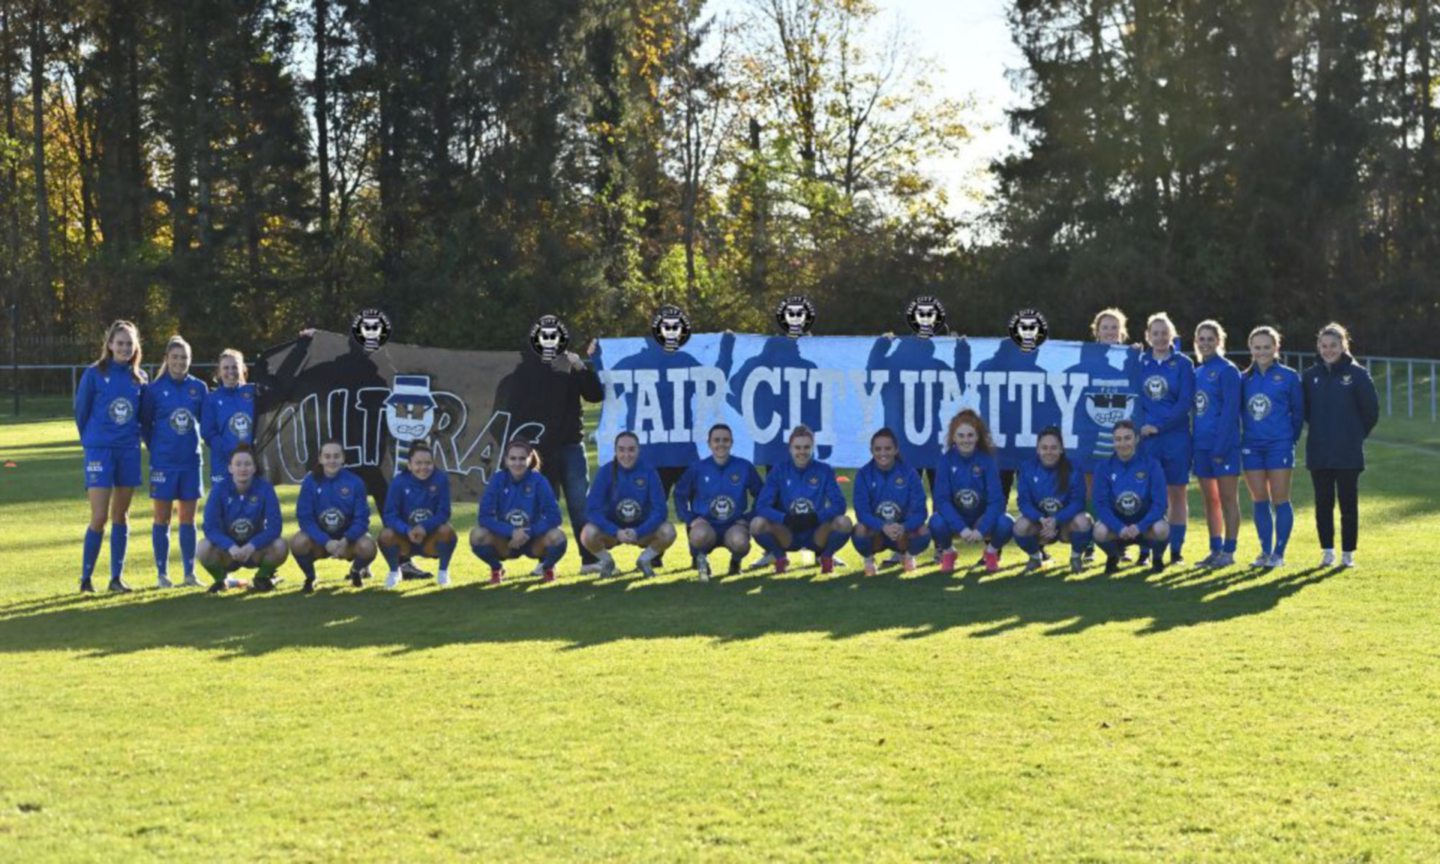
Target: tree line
[(234, 169)]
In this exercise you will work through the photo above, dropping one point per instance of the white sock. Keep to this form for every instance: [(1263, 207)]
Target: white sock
[(443, 574), (648, 555)]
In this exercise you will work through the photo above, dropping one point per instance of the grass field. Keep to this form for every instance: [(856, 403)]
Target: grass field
[(1292, 715)]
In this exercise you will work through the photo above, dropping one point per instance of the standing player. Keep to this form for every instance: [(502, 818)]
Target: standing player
[(1272, 418), (170, 412), (334, 517), (627, 505), (801, 507), (1167, 395), (228, 416), (519, 515), (889, 505), (713, 499), (1130, 501), (1342, 407), (242, 525), (417, 516), (1051, 499), (1217, 441), (969, 501), (107, 408)]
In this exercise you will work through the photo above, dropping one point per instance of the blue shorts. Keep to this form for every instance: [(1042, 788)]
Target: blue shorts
[(1268, 457), (721, 527), (803, 540), (176, 484), (1172, 451), (1207, 466), (111, 467)]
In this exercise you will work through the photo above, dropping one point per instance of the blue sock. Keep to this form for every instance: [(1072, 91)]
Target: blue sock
[(1158, 548), (553, 554), (864, 545), (1264, 526), (1284, 524), (1229, 546), (1079, 542), (918, 544), (160, 542), (119, 539), (1177, 538), (446, 550), (941, 532), (1215, 543), (93, 539), (392, 556), (1004, 531), (187, 547), (1030, 545), (834, 543), (487, 554), (765, 540), (1110, 548), (306, 564)]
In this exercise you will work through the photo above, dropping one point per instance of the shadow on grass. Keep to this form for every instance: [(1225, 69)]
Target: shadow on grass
[(584, 612)]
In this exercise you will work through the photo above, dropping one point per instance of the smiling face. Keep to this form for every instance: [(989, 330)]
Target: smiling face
[(1160, 334), (332, 459), (422, 464), (966, 439), (1108, 330), (1049, 450), (1207, 341), (720, 443), (1330, 347), (802, 450), (882, 450), (242, 468), (1262, 349), (229, 371), (517, 461), (1124, 442), (627, 451), (122, 346), (177, 362)]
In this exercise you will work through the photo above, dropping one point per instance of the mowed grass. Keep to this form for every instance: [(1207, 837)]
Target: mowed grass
[(1239, 715)]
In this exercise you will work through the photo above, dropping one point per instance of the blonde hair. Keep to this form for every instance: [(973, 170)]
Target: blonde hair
[(107, 357), (1337, 330), (1264, 330), (178, 341), (239, 361), (1112, 312), (1210, 324), (1160, 316)]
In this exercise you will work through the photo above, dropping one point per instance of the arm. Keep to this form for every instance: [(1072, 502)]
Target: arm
[(597, 501), (864, 508), (1297, 408), (1177, 414), (146, 417), (767, 506), (305, 512), (831, 502), (684, 491), (1227, 437), (1157, 498), (84, 397), (442, 510), (489, 515), (214, 528), (659, 509), (994, 499), (591, 390), (1025, 496), (1367, 400), (359, 514), (391, 518), (549, 508), (209, 421), (916, 511), (1074, 498), (273, 524), (1103, 497), (753, 485), (943, 494)]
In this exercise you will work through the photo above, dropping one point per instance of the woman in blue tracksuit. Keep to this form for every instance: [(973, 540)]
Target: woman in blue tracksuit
[(969, 500), (1217, 441), (1341, 406), (713, 499), (1167, 394), (242, 525), (801, 507), (417, 516), (228, 416), (1271, 420), (170, 410), (519, 515), (626, 504), (107, 411), (1130, 501), (1050, 493), (334, 518), (890, 510)]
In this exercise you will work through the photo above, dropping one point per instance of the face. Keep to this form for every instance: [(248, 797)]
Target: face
[(517, 460), (177, 362), (229, 371), (720, 443), (122, 346), (627, 452), (422, 464), (1330, 347), (802, 450), (966, 438), (1262, 349), (1048, 449), (1125, 442), (1206, 342), (1108, 330), (1160, 335), (332, 459), (242, 468), (882, 450)]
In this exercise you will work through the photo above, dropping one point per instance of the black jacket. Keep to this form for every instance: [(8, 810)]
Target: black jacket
[(1341, 407), (536, 389)]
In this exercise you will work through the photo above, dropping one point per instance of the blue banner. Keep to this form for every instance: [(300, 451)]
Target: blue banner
[(846, 387)]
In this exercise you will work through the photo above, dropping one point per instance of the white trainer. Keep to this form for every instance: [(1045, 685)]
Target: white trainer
[(1327, 557), (443, 578), (392, 580), (1347, 559)]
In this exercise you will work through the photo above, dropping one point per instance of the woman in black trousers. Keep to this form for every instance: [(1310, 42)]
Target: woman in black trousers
[(1341, 407)]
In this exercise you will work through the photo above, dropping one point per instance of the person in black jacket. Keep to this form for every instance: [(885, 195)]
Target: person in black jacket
[(1341, 407)]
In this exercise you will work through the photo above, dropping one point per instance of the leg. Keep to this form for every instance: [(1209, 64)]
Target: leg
[(119, 533), (596, 540), (94, 533), (490, 548), (215, 561), (1229, 494), (573, 475), (701, 535), (1214, 517), (1279, 480), (1348, 487), (773, 537), (737, 540), (1178, 515), (303, 548), (831, 537), (188, 538), (549, 548), (270, 559), (441, 544), (160, 539), (1256, 482), (1323, 482)]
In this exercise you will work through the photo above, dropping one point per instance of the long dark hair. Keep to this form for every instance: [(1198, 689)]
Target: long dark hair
[(1063, 466), (887, 432), (532, 456), (615, 461), (107, 358)]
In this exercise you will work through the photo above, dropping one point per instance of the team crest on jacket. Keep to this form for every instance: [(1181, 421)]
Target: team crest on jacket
[(628, 510), (802, 507), (371, 328), (899, 482), (1029, 329), (332, 519), (795, 315), (1202, 402), (722, 507), (420, 515), (1050, 506), (967, 499), (888, 511), (671, 327), (977, 470), (549, 337), (814, 481), (120, 411), (926, 316), (1128, 503), (1258, 406), (240, 426), (1156, 387), (735, 478), (242, 529), (182, 421), (194, 393), (344, 491), (1139, 475), (517, 519), (1344, 379)]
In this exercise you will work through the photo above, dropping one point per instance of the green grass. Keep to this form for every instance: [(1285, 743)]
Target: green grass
[(1238, 715)]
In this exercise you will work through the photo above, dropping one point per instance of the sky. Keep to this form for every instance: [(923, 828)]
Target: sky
[(970, 43)]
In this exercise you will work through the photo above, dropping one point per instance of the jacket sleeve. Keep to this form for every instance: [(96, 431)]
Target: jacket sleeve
[(214, 528), (84, 401), (391, 518), (1157, 498), (1227, 436), (591, 390), (1297, 408), (273, 524), (442, 512), (753, 485), (916, 512), (864, 509), (659, 507), (1104, 499), (1074, 498), (359, 516), (1025, 496), (943, 494), (1367, 400), (549, 508), (305, 512), (684, 490), (209, 421), (832, 500), (488, 516), (769, 505), (994, 499), (1176, 415), (597, 501), (147, 417)]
